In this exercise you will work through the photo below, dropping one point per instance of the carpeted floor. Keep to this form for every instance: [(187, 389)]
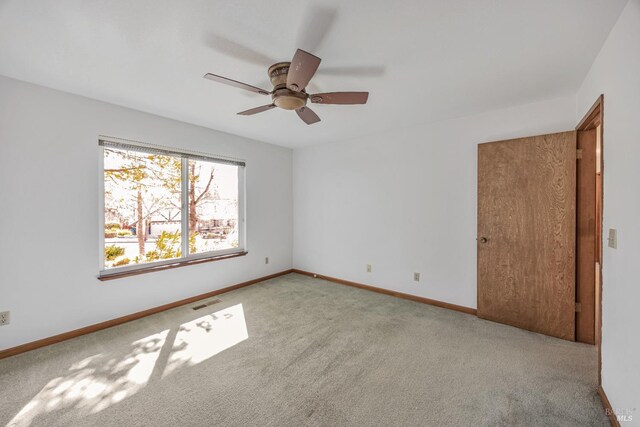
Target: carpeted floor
[(298, 351)]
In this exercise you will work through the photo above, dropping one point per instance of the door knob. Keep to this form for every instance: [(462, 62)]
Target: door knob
[(483, 240)]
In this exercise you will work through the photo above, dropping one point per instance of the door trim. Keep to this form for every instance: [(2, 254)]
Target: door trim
[(593, 119)]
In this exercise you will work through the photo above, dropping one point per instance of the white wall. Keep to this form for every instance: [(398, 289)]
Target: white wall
[(405, 201), (49, 212), (616, 74)]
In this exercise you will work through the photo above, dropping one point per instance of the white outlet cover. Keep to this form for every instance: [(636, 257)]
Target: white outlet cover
[(5, 318)]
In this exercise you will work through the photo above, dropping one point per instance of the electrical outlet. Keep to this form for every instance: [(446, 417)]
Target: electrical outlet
[(5, 318), (368, 268), (416, 277), (266, 260)]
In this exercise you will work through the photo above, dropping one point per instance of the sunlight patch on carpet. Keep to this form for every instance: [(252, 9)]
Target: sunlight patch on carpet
[(97, 382), (102, 380), (207, 336)]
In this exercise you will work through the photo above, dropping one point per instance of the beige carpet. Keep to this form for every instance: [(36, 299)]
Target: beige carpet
[(297, 351)]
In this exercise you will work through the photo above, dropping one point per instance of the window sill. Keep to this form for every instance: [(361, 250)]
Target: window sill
[(152, 269)]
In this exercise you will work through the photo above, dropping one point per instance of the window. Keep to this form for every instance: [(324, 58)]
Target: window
[(162, 206)]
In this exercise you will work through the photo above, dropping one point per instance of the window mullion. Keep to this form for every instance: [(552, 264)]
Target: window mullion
[(184, 189)]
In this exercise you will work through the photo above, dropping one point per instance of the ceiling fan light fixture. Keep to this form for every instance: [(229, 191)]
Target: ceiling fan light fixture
[(288, 99)]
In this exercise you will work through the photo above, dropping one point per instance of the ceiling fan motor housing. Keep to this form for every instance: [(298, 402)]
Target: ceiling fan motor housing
[(278, 73), (282, 96)]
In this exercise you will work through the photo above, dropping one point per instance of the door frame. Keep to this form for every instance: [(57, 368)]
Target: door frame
[(594, 119)]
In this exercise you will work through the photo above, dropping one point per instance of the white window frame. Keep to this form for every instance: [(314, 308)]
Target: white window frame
[(185, 155)]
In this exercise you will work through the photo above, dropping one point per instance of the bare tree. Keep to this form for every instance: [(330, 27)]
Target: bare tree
[(145, 177), (195, 200)]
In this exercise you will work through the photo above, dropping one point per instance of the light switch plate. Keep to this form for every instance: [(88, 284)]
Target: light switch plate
[(613, 238)]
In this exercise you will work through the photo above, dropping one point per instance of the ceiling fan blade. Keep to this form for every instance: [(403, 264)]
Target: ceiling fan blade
[(340, 98), (256, 110), (303, 67), (315, 26), (236, 50), (364, 71), (307, 115), (235, 83)]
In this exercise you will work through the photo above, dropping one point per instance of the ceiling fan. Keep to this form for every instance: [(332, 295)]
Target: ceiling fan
[(289, 80)]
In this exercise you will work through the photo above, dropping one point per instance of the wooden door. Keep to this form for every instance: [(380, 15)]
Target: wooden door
[(526, 233)]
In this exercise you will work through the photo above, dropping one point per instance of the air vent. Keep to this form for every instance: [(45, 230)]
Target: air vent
[(206, 304)]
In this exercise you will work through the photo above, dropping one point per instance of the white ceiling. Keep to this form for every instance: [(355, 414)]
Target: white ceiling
[(422, 60)]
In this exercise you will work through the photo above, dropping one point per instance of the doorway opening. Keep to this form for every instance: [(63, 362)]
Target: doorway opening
[(589, 203), (540, 202)]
